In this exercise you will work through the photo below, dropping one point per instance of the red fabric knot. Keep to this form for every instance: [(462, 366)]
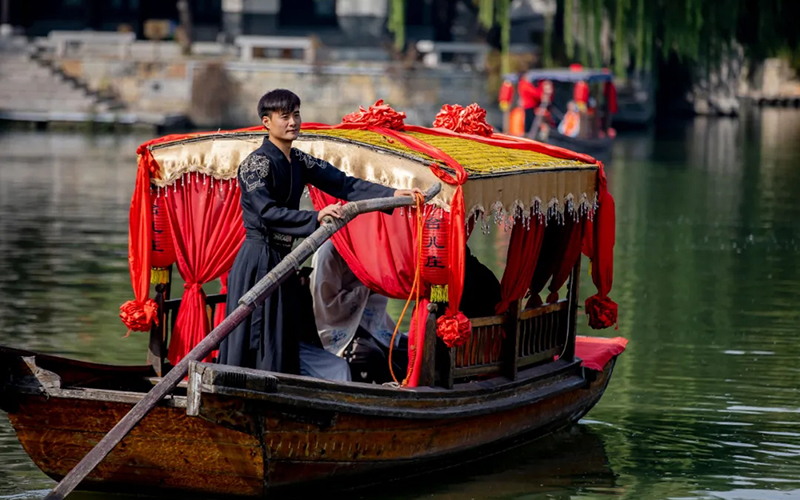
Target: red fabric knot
[(602, 312), (469, 120), (187, 286), (454, 330), (378, 115), (552, 297), (138, 316)]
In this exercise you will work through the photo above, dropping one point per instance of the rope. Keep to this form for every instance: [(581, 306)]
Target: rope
[(419, 200)]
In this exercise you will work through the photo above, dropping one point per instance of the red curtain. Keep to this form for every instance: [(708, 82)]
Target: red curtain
[(570, 251), (207, 231), (598, 245), (546, 264), (381, 249), (523, 254)]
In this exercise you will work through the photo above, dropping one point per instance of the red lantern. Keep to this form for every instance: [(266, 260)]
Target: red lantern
[(162, 254), (435, 233), (505, 95)]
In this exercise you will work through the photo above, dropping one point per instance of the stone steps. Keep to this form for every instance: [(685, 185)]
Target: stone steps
[(26, 85)]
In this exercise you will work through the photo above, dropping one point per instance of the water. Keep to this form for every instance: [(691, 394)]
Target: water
[(704, 404)]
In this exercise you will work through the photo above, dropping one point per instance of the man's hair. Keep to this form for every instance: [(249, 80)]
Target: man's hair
[(281, 100)]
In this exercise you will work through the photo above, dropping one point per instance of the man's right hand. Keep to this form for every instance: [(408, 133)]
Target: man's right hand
[(334, 210)]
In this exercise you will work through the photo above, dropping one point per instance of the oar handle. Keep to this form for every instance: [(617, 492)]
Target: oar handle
[(264, 288)]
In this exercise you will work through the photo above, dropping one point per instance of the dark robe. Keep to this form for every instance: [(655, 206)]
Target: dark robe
[(271, 188)]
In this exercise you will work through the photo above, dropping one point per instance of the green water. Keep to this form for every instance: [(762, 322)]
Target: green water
[(704, 404)]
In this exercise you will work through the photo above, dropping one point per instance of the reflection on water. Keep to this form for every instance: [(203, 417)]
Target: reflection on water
[(703, 405)]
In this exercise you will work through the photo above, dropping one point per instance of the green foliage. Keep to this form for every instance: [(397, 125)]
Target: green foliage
[(397, 22), (695, 31)]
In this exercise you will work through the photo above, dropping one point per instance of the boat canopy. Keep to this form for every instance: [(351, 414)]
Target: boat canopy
[(565, 75), (501, 177), (185, 210)]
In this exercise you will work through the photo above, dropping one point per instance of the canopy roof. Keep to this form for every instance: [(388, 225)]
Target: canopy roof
[(566, 75), (499, 170)]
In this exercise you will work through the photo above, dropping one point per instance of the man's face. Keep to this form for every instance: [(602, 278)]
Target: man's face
[(283, 125)]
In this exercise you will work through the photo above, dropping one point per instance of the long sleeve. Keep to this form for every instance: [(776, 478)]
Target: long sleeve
[(259, 202), (339, 298), (336, 183)]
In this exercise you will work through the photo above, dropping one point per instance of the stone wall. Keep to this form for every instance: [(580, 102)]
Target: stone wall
[(224, 93)]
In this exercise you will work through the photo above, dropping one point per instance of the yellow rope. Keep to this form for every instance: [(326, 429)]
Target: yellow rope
[(414, 288)]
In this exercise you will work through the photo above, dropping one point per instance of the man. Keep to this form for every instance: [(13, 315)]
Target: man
[(271, 180), (352, 321)]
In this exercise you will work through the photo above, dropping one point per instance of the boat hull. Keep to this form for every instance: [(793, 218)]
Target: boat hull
[(598, 148), (244, 444)]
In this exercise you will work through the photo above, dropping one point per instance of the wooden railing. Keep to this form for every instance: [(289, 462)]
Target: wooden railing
[(502, 345), (168, 315), (499, 345)]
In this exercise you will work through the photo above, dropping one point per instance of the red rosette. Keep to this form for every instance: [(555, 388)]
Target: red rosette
[(469, 120), (139, 316), (454, 330), (378, 115), (602, 312), (449, 116)]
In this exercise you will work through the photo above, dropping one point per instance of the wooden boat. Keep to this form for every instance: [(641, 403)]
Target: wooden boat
[(240, 432), (595, 135)]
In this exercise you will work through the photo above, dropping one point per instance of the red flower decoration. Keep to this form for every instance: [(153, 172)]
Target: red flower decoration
[(602, 312), (469, 120), (138, 317), (454, 330), (378, 115)]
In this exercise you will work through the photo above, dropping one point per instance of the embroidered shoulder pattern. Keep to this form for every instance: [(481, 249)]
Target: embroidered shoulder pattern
[(308, 160), (253, 170)]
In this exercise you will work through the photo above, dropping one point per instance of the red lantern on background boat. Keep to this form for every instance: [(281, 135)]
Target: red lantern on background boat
[(162, 252), (435, 231)]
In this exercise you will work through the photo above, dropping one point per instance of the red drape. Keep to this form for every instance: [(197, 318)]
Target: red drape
[(610, 92), (570, 251), (546, 264), (523, 254), (207, 232), (380, 249), (598, 245)]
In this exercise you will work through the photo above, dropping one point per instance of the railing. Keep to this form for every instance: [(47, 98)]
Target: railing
[(499, 345), (168, 315), (276, 47)]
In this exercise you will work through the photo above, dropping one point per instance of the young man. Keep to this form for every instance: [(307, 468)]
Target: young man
[(271, 180)]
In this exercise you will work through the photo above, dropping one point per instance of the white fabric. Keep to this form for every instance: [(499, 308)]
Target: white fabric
[(342, 303), (319, 363)]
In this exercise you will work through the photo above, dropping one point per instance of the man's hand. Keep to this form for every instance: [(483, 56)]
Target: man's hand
[(334, 210), (408, 192)]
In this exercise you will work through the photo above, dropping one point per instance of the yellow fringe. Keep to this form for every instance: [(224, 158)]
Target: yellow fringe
[(159, 275), (439, 293)]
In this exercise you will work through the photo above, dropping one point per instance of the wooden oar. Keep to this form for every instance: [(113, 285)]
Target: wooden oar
[(256, 295)]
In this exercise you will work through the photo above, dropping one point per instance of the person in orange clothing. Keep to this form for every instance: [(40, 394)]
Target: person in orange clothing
[(530, 96)]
